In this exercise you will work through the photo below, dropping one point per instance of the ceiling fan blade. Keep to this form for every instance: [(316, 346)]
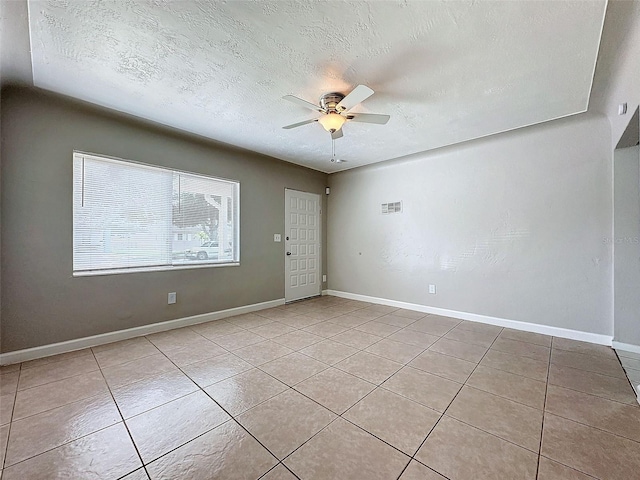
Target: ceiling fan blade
[(369, 118), (336, 135), (299, 124), (357, 95), (303, 103)]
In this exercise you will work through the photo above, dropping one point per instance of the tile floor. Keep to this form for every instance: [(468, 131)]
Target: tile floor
[(324, 389)]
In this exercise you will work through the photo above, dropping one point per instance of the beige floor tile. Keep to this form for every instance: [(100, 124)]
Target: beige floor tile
[(356, 339), (528, 337), (349, 321), (434, 325), (216, 329), (298, 340), (430, 390), (300, 321), (326, 329), (479, 327), (136, 370), (369, 367), (50, 372), (238, 340), (195, 351), (335, 389), (285, 422), (164, 428), (514, 387), (262, 352), (411, 314), (461, 350), (525, 366), (275, 313), (107, 453), (523, 349), (589, 450), (4, 437), (482, 339), (592, 363), (251, 320), (44, 431), (417, 471), (293, 368), (377, 328), (280, 472), (140, 474), (271, 330), (124, 351), (412, 337), (6, 407), (62, 357), (393, 418), (9, 368), (550, 470), (613, 417), (633, 375), (582, 347), (329, 352), (459, 452), (397, 320), (216, 369), (55, 394), (172, 339), (344, 451), (508, 420), (152, 392), (241, 392), (367, 313), (396, 351), (604, 386), (444, 366), (225, 453), (323, 314)]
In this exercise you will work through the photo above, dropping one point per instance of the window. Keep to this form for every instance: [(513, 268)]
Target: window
[(130, 216)]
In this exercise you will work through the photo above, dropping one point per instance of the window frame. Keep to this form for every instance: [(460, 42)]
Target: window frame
[(158, 268)]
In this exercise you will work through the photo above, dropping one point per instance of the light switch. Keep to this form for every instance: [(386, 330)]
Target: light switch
[(277, 237)]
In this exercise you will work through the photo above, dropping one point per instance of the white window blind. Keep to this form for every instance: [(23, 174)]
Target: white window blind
[(128, 216)]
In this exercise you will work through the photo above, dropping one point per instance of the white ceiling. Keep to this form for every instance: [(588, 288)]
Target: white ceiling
[(446, 72)]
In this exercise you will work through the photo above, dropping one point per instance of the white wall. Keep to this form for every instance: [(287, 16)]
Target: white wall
[(514, 226), (617, 77), (627, 245)]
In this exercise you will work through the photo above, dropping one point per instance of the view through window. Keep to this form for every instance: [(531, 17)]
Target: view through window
[(128, 215)]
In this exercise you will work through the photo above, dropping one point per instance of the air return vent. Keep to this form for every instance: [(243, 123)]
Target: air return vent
[(393, 207)]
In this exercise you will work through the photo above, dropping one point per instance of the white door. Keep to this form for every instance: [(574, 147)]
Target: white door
[(302, 245)]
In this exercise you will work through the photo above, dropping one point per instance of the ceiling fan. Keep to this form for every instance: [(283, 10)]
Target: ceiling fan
[(335, 110)]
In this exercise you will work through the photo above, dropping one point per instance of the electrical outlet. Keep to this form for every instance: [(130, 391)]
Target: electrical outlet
[(277, 237), (172, 298), (324, 278), (432, 289)]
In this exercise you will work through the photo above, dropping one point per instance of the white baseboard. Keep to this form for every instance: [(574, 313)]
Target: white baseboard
[(627, 347), (474, 317), (94, 340)]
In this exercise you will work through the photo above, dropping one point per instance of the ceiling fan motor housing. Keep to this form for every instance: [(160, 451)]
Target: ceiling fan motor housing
[(329, 101)]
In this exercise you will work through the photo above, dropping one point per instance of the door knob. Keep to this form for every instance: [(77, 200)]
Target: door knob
[(288, 253)]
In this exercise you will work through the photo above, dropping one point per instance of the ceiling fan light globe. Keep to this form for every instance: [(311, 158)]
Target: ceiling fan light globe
[(332, 122)]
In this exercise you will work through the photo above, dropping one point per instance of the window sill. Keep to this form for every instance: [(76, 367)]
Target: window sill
[(118, 271)]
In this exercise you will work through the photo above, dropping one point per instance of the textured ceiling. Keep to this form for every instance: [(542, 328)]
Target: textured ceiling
[(446, 72)]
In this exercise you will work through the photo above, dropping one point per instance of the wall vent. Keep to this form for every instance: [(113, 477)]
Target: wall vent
[(393, 207)]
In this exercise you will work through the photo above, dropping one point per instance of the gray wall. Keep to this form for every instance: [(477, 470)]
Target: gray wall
[(511, 226), (42, 303), (627, 245)]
